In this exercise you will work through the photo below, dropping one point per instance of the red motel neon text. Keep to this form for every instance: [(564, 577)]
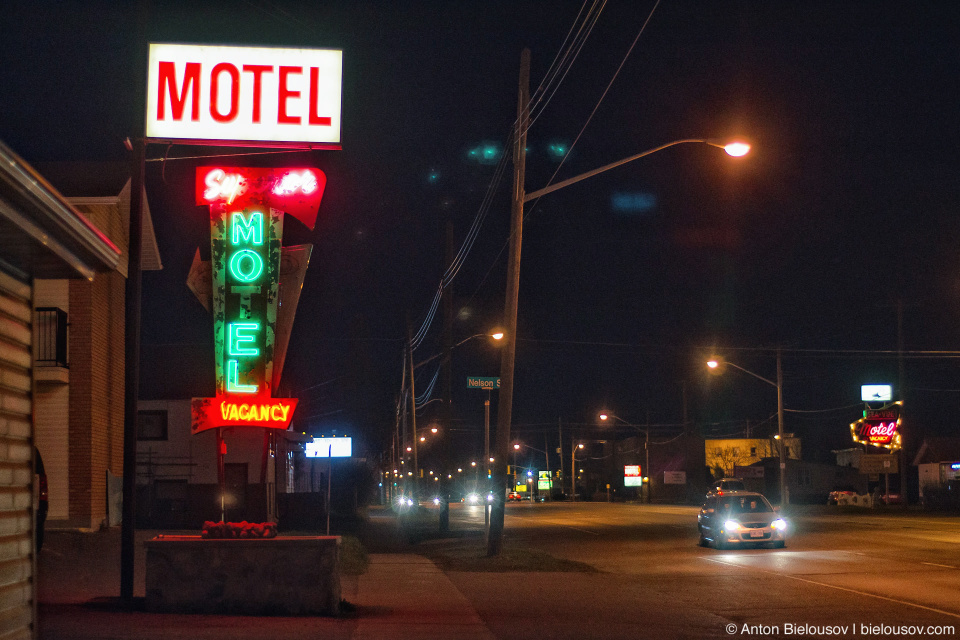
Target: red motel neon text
[(179, 90)]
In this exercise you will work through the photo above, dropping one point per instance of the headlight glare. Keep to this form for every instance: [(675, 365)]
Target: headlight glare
[(731, 525), (779, 524)]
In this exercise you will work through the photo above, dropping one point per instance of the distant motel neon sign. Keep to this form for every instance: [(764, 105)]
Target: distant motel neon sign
[(246, 228), (880, 428)]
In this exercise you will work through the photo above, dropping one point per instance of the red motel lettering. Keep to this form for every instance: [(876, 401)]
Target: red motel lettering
[(178, 88)]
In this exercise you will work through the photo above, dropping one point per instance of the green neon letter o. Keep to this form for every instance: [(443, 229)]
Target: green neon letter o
[(246, 265)]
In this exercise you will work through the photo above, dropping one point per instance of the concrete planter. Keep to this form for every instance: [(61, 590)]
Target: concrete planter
[(278, 576)]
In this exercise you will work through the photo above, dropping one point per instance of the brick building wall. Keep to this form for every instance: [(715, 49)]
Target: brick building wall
[(96, 394)]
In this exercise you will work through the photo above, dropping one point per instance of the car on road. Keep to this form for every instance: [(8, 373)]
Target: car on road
[(726, 484), (514, 495), (740, 518)]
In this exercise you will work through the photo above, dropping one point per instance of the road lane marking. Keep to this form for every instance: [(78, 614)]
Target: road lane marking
[(832, 586), (934, 564)]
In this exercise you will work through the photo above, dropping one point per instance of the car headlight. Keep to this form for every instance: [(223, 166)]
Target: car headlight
[(779, 524), (489, 497), (731, 525), (436, 501), (409, 502), (473, 498)]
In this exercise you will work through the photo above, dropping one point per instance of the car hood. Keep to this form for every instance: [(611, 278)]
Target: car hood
[(764, 518)]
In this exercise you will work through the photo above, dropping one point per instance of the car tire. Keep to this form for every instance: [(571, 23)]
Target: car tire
[(702, 542), (720, 544)]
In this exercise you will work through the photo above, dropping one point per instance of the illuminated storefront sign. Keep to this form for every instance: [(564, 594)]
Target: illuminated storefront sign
[(329, 448), (876, 392), (265, 95), (246, 227), (632, 476), (880, 428)]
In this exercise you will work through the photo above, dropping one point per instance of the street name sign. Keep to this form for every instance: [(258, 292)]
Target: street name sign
[(476, 382)]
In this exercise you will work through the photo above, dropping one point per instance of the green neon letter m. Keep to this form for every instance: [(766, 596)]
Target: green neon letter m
[(246, 231)]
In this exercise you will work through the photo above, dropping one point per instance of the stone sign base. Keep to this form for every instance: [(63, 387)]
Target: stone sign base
[(277, 576)]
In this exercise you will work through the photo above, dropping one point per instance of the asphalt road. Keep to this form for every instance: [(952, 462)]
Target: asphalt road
[(852, 575)]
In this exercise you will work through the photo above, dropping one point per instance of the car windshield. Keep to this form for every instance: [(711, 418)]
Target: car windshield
[(745, 504)]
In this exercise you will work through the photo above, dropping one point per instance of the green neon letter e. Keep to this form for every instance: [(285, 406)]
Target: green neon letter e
[(240, 334)]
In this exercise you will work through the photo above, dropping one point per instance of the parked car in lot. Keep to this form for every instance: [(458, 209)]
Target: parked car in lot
[(838, 495), (740, 518)]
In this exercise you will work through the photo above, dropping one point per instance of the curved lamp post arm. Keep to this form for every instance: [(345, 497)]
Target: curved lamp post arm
[(751, 373), (435, 356), (583, 176)]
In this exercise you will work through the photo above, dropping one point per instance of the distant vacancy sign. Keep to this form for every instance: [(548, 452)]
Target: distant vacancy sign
[(260, 96)]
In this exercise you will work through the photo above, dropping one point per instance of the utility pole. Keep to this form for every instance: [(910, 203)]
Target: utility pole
[(646, 449), (447, 386), (560, 449), (486, 460), (413, 415), (784, 495), (573, 470), (505, 405), (903, 441)]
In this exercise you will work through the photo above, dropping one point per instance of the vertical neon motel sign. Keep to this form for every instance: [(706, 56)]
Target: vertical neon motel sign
[(246, 229)]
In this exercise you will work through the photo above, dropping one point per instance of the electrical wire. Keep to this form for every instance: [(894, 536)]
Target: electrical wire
[(549, 84), (567, 154)]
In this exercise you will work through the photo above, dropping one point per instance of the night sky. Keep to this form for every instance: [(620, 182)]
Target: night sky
[(848, 203)]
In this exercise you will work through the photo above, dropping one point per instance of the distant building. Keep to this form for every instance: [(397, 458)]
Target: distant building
[(79, 356), (267, 476), (724, 454), (938, 466)]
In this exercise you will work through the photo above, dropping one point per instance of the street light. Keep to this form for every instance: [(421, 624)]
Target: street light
[(734, 148), (714, 363), (646, 445), (496, 335), (573, 471), (546, 456), (512, 294)]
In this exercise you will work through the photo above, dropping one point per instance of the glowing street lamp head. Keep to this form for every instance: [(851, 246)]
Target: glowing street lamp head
[(497, 335), (737, 149), (713, 363), (604, 416), (516, 446)]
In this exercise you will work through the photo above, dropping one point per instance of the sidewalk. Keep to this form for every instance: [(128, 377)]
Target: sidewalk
[(401, 596)]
